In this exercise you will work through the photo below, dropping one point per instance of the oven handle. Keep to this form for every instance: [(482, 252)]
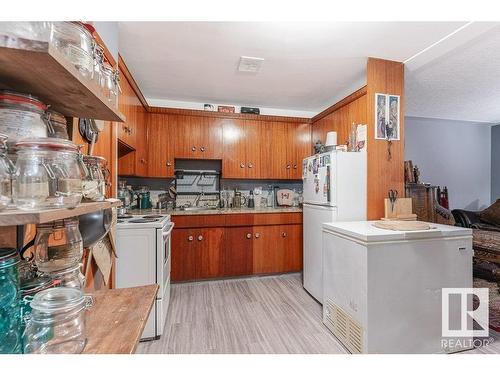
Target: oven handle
[(172, 225)]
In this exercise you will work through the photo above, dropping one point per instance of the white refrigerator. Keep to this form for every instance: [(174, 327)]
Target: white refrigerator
[(334, 189)]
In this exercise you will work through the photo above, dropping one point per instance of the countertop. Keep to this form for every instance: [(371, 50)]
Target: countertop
[(219, 211), (115, 322)]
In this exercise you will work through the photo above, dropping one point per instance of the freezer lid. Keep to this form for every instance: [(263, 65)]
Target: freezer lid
[(366, 232)]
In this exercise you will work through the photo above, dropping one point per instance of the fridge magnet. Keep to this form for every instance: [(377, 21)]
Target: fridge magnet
[(387, 121)]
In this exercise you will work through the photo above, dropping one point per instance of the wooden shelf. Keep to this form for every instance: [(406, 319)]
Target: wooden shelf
[(39, 69), (20, 217), (114, 324)]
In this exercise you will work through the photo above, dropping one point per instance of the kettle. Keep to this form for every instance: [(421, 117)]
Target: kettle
[(237, 200)]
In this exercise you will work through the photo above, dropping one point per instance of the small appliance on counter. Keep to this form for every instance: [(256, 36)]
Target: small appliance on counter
[(143, 198)]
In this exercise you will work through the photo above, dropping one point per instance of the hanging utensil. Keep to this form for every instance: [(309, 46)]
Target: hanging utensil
[(393, 196)]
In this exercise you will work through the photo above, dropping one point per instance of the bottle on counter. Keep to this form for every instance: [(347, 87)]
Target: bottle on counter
[(251, 202)]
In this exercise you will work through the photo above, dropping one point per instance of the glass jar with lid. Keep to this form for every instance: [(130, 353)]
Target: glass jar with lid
[(30, 287), (57, 126), (21, 116), (48, 174), (7, 170), (10, 307), (71, 277), (94, 184), (110, 83), (58, 245), (74, 40), (57, 322), (25, 34), (98, 55)]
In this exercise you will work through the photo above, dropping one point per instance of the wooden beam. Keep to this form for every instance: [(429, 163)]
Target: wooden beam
[(347, 100), (126, 73), (386, 77)]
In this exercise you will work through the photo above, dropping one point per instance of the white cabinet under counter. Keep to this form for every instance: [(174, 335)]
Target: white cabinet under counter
[(383, 288)]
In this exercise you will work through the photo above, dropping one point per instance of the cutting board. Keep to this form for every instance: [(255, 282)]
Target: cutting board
[(403, 209)]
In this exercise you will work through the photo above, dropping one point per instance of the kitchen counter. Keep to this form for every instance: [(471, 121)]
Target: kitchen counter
[(219, 211), (115, 322)]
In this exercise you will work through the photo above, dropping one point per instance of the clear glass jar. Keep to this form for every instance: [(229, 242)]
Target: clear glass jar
[(71, 277), (57, 322), (48, 174), (75, 42), (10, 306), (58, 245), (7, 170), (57, 127), (110, 83), (30, 287), (23, 34), (98, 55), (21, 116), (94, 184)]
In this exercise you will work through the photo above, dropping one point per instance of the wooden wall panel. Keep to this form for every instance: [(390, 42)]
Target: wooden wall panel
[(340, 120), (385, 77)]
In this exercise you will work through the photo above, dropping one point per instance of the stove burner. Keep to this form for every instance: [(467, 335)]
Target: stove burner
[(125, 216), (142, 221), (152, 216)]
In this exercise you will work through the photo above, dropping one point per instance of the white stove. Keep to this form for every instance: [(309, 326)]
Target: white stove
[(143, 257)]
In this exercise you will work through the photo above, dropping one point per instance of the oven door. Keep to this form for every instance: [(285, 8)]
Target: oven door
[(163, 257)]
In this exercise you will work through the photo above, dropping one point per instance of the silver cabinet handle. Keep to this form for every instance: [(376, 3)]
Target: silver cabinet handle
[(284, 234), (190, 238), (295, 166), (250, 165), (143, 161), (202, 149), (200, 237), (193, 148), (288, 166), (169, 164), (249, 235), (242, 165), (257, 235)]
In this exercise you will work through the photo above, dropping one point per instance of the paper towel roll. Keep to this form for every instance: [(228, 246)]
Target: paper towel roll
[(331, 139)]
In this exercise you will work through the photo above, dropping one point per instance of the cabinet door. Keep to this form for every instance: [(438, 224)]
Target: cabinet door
[(184, 255), (279, 163), (268, 250), (290, 237), (299, 138), (160, 160), (209, 246), (141, 151), (129, 105), (188, 137), (210, 142), (234, 155), (237, 251)]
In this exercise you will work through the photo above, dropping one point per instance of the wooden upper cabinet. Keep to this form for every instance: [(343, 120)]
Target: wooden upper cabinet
[(299, 139), (130, 105), (160, 145), (234, 143), (198, 137), (279, 163)]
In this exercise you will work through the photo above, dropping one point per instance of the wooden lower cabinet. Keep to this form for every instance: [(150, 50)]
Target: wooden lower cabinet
[(205, 253)]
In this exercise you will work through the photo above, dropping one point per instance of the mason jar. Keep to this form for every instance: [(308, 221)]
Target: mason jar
[(48, 174), (71, 277), (21, 116), (57, 322), (57, 126), (94, 184), (110, 83), (58, 245), (75, 42), (7, 170), (10, 306)]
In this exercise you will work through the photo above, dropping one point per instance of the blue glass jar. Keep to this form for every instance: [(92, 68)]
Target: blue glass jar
[(10, 307)]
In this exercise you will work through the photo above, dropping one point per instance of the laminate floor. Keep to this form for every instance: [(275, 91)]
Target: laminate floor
[(271, 314)]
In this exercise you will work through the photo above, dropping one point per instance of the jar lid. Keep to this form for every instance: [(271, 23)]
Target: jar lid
[(56, 117), (9, 256), (94, 159), (50, 144), (35, 285), (56, 300), (19, 98)]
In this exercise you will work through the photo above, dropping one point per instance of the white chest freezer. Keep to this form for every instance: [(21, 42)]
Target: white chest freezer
[(382, 289)]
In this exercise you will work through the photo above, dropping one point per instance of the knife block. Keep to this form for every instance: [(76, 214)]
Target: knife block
[(402, 209)]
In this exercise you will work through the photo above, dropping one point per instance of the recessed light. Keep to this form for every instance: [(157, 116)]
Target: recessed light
[(250, 64)]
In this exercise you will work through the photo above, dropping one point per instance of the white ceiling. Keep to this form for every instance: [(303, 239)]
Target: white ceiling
[(459, 82), (308, 66)]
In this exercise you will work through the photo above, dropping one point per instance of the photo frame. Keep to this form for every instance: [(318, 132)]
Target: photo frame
[(387, 116)]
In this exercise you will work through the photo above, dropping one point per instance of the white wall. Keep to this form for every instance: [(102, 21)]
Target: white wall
[(495, 163), (456, 154), (108, 31)]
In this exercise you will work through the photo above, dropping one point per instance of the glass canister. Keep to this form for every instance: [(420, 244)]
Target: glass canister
[(57, 127), (70, 277), (58, 245), (94, 184), (75, 42), (21, 116), (110, 83), (7, 170), (98, 55), (48, 174), (57, 322), (10, 304)]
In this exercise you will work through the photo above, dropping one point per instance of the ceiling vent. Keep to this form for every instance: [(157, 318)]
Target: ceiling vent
[(250, 64)]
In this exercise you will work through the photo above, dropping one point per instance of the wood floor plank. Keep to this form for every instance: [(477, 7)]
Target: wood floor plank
[(260, 315)]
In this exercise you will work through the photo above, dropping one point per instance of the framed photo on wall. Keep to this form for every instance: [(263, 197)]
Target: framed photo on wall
[(387, 121)]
